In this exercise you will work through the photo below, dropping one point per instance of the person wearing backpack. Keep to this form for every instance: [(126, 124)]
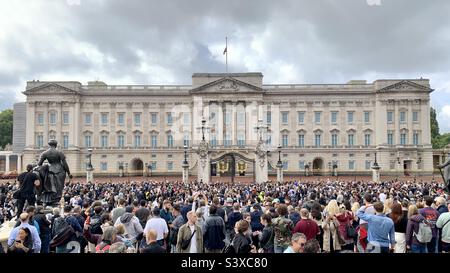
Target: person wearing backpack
[(431, 215), (414, 241), (283, 227), (96, 221), (66, 224)]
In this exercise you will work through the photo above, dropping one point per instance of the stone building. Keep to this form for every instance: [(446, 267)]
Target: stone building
[(321, 128)]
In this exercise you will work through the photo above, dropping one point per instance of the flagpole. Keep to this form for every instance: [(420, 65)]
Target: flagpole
[(226, 54)]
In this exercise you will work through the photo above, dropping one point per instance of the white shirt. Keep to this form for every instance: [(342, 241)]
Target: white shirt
[(158, 224), (382, 197), (193, 248)]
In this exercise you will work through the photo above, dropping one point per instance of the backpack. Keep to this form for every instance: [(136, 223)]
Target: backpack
[(424, 234), (63, 232), (283, 230), (96, 224), (102, 248)]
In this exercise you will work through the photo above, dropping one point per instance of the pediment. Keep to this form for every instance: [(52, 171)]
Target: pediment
[(227, 85), (405, 85), (50, 89)]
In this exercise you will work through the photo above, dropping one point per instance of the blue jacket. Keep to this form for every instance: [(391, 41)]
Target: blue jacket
[(380, 228)]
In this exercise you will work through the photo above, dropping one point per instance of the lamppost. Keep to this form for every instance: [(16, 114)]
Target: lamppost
[(149, 166), (203, 128), (376, 170), (89, 167), (279, 166), (126, 169), (185, 165)]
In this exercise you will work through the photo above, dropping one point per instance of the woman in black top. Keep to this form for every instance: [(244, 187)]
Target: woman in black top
[(23, 242), (266, 237), (400, 222), (241, 242)]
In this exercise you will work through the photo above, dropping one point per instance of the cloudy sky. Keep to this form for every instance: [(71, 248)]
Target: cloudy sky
[(164, 42)]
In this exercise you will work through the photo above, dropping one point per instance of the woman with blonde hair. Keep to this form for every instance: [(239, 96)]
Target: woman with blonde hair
[(388, 203), (330, 228), (415, 218)]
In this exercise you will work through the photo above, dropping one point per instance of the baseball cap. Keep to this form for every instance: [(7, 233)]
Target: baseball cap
[(229, 200)]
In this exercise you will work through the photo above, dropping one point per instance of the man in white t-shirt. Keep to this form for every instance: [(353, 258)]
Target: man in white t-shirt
[(159, 225)]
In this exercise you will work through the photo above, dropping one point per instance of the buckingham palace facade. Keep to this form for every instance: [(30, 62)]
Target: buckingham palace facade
[(311, 128)]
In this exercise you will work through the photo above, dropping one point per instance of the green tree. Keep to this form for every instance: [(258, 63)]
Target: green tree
[(437, 140), (6, 127), (434, 124)]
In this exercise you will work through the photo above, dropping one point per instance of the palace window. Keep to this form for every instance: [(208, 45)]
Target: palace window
[(390, 117), (66, 117), (121, 141), (334, 140), (351, 164), (154, 141), (390, 138), (104, 118), (366, 116), (137, 140), (301, 117), (368, 164), (317, 117), (284, 141), (104, 141), (104, 166), (65, 141), (351, 141), (169, 141), (416, 138), (40, 141), (87, 141), (284, 117), (301, 140), (367, 138), (52, 118), (137, 119), (402, 117), (301, 165), (317, 139), (169, 119), (269, 117), (415, 116), (154, 117), (88, 118), (170, 166), (350, 117), (121, 118), (403, 139), (334, 117), (40, 119)]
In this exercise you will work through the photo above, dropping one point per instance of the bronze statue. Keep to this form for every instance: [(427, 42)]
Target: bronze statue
[(446, 174), (52, 176)]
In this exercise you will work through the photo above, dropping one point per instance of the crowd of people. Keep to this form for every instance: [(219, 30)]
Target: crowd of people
[(311, 216)]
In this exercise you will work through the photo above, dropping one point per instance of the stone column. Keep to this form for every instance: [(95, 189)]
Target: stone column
[(376, 173), (7, 163), (19, 164), (203, 169), (261, 167), (280, 171), (185, 173), (89, 175)]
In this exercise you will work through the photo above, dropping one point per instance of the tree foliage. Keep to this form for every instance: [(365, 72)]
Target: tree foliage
[(437, 140), (6, 127)]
